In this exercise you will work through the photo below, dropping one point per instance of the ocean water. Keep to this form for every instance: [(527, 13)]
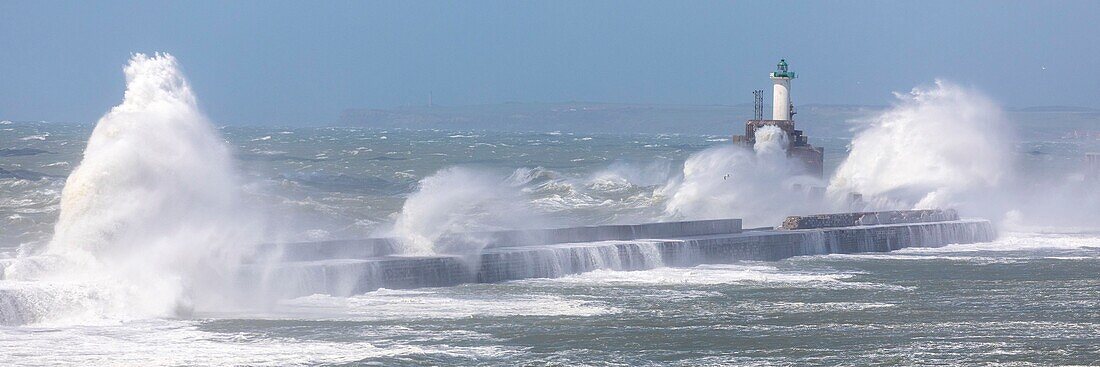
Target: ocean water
[(1030, 298), (124, 243), (335, 183)]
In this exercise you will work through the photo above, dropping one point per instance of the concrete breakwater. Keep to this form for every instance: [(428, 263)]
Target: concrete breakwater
[(375, 247), (869, 218), (351, 267)]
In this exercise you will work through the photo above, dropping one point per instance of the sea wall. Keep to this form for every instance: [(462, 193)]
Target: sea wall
[(534, 237), (548, 260), (376, 247), (560, 260), (868, 218)]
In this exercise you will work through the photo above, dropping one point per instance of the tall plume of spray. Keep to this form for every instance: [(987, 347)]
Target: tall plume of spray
[(944, 146), (151, 218), (734, 182)]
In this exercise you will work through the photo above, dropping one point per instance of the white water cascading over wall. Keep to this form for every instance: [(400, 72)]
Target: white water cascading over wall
[(552, 261), (694, 243)]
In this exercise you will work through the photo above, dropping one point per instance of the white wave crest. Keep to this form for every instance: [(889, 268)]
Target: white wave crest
[(151, 217), (945, 146)]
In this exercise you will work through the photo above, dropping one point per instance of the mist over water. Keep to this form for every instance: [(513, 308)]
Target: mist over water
[(459, 200), (151, 219), (1070, 199), (937, 147), (153, 223), (949, 146), (720, 182), (157, 219), (734, 182)]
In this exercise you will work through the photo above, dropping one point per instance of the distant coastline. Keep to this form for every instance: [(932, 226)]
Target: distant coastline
[(819, 120), (593, 117)]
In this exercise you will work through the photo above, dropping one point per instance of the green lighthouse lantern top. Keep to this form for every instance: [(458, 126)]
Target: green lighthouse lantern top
[(781, 70)]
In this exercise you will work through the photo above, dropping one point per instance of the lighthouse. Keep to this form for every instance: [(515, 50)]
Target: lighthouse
[(798, 144), (782, 108)]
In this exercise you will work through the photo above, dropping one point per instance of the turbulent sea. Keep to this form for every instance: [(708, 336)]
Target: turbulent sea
[(1030, 298)]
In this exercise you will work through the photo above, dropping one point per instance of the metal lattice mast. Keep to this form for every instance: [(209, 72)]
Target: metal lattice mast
[(758, 104)]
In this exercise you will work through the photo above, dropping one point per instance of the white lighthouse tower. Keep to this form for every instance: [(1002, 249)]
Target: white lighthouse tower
[(782, 109), (798, 145)]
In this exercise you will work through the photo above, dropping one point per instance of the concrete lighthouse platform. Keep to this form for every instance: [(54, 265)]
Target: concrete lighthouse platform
[(358, 266)]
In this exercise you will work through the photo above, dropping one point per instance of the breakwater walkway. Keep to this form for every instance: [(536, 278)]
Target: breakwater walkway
[(357, 266)]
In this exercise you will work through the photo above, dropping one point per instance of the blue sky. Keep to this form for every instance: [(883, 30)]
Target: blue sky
[(303, 62)]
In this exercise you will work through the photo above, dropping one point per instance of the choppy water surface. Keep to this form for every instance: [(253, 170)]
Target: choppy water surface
[(326, 183), (1031, 298)]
